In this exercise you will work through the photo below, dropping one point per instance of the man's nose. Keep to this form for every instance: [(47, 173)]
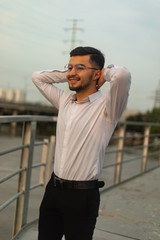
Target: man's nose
[(73, 71)]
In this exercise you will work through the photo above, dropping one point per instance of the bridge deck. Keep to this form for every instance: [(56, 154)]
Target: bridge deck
[(129, 211)]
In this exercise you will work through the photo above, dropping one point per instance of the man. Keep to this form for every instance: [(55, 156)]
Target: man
[(86, 121)]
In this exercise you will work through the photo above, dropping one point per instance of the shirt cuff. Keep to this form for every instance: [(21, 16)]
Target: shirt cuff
[(107, 71)]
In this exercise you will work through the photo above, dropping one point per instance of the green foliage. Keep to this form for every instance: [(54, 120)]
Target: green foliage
[(153, 116), (135, 118), (150, 116)]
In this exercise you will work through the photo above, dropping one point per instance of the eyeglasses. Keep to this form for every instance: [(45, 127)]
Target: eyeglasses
[(78, 67)]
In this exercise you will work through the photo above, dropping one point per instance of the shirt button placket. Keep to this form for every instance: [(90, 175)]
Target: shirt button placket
[(67, 135)]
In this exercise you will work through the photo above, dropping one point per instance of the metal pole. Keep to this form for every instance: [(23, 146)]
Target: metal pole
[(49, 168), (29, 170), (43, 161), (14, 125), (22, 178), (119, 157), (145, 148)]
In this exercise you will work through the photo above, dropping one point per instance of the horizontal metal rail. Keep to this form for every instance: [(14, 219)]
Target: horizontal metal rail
[(36, 165), (131, 160), (103, 190), (39, 143), (3, 206), (12, 175), (20, 148), (26, 118), (129, 123), (13, 149), (36, 186)]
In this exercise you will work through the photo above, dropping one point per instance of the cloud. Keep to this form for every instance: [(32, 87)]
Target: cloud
[(5, 17)]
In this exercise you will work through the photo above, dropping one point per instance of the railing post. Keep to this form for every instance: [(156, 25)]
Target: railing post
[(14, 125), (43, 161), (25, 176), (49, 167), (22, 178), (29, 171), (119, 157), (145, 148)]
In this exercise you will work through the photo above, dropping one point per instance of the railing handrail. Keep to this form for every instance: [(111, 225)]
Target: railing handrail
[(27, 118), (139, 123)]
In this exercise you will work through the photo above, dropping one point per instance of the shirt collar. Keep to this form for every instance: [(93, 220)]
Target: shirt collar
[(95, 96), (90, 98)]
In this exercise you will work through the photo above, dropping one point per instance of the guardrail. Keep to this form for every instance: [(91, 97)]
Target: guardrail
[(134, 153), (146, 151), (26, 164)]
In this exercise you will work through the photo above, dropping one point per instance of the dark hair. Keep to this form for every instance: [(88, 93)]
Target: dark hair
[(96, 56)]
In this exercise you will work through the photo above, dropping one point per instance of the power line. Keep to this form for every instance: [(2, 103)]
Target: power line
[(33, 13), (32, 26), (28, 39)]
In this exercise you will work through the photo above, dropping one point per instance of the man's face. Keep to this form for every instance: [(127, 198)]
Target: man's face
[(80, 79)]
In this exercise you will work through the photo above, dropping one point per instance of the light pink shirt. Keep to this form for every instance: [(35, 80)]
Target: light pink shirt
[(84, 128)]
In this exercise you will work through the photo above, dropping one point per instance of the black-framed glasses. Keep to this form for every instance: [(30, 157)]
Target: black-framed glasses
[(78, 67)]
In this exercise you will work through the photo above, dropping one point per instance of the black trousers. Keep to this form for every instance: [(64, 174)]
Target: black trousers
[(69, 212)]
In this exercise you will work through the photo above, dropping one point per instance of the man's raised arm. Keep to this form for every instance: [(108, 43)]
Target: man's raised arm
[(44, 81), (117, 96)]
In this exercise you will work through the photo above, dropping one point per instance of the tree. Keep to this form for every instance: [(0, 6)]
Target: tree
[(150, 116), (135, 118)]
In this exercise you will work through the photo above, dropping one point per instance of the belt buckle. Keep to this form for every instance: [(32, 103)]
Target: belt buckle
[(61, 185), (58, 183)]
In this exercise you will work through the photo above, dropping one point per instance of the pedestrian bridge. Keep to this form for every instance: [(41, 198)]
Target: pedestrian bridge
[(129, 202), (128, 211)]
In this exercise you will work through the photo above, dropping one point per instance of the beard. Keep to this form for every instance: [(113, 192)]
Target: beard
[(81, 87)]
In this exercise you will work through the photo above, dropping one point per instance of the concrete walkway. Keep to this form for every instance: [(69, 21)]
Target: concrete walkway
[(129, 211)]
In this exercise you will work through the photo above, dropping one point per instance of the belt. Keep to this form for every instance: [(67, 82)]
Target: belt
[(69, 184)]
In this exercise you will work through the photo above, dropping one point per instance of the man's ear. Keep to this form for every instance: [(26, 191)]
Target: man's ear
[(97, 75)]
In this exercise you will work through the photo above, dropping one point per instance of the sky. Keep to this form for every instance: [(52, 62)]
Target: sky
[(36, 35)]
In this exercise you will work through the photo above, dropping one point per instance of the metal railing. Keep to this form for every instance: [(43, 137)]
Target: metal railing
[(26, 164), (146, 151), (143, 148)]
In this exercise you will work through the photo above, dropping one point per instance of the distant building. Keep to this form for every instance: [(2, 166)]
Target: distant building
[(12, 95)]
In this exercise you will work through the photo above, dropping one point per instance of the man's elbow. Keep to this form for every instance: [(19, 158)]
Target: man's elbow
[(124, 75), (35, 76)]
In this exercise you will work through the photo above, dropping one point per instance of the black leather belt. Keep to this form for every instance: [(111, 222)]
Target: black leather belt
[(67, 184)]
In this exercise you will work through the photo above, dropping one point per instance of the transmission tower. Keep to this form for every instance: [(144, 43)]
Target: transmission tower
[(157, 97), (74, 30)]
